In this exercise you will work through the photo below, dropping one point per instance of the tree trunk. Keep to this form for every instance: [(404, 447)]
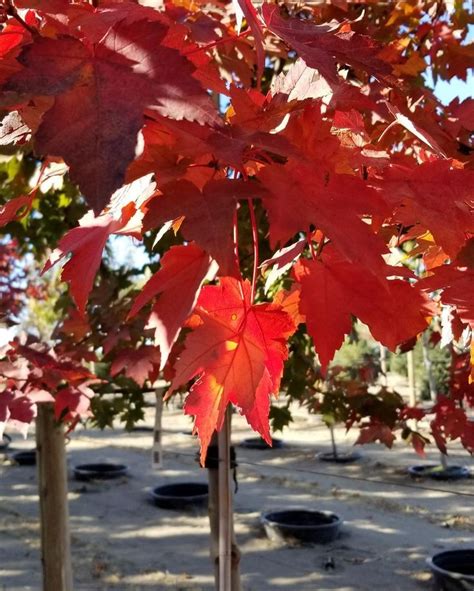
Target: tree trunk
[(54, 511), (213, 465), (333, 442)]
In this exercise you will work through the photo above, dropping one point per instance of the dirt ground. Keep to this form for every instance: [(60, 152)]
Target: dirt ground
[(121, 541)]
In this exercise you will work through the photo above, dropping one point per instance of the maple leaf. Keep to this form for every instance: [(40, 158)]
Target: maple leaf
[(334, 203), (457, 282), (17, 410), (322, 46), (86, 242), (436, 195), (177, 283), (246, 135), (376, 432), (101, 88), (333, 290), (13, 130), (208, 214), (302, 82), (237, 353), (72, 403), (12, 209), (137, 364)]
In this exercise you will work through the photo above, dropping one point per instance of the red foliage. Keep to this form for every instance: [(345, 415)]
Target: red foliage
[(345, 155)]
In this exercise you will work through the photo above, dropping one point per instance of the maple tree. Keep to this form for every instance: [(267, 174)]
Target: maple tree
[(328, 159)]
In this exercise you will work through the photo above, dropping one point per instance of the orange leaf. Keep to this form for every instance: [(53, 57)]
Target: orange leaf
[(237, 354)]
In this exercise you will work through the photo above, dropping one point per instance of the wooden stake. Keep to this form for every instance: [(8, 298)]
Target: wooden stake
[(157, 450), (411, 377), (213, 473), (429, 367), (54, 511), (384, 365), (225, 506)]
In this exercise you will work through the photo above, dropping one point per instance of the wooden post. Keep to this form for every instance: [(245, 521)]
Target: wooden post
[(54, 511), (411, 377), (213, 466), (213, 507), (157, 450), (225, 506), (383, 364), (429, 367)]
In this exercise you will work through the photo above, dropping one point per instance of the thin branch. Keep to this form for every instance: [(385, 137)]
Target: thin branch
[(13, 12), (253, 221), (320, 246), (311, 247), (218, 42)]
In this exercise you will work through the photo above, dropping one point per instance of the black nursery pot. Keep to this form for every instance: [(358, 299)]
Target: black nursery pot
[(301, 526), (142, 429), (25, 458), (259, 443), (341, 458), (453, 570), (182, 496), (100, 471), (438, 472)]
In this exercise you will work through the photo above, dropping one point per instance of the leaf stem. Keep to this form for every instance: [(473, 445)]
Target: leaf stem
[(236, 238), (13, 12), (311, 247), (216, 43), (253, 221), (320, 245)]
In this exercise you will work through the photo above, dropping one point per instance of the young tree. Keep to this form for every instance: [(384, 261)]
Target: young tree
[(333, 162)]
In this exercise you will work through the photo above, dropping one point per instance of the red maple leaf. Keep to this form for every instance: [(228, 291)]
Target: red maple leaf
[(12, 209), (101, 88), (457, 282), (208, 215), (436, 195), (333, 290), (177, 283), (334, 203), (137, 364), (376, 431), (86, 244), (323, 46), (17, 410), (237, 353)]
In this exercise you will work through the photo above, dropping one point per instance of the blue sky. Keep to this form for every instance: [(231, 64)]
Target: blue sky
[(447, 91)]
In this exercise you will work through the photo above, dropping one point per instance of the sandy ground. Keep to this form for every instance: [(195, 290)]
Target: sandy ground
[(121, 541)]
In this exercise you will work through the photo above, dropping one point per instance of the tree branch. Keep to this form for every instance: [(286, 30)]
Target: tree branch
[(13, 12)]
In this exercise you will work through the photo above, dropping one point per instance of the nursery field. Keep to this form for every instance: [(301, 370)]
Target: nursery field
[(121, 541)]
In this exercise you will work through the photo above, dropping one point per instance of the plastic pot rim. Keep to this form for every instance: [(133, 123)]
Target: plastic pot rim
[(248, 441), (187, 483), (345, 456), (448, 573), (89, 470), (424, 470), (265, 520)]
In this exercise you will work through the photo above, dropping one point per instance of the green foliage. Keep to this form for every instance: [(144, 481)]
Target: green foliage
[(280, 417)]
